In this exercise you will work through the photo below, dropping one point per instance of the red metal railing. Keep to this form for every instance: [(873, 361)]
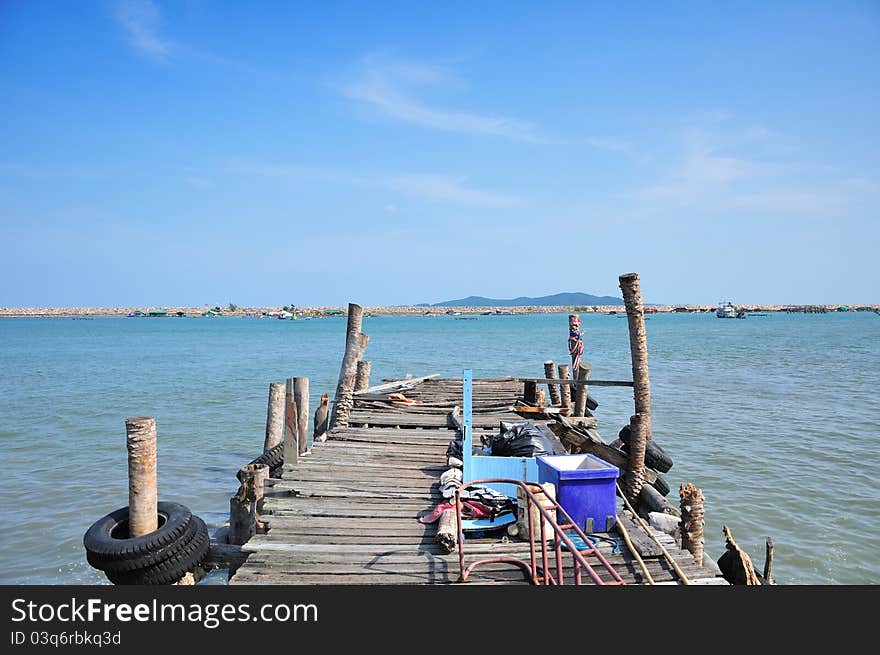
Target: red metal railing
[(530, 569)]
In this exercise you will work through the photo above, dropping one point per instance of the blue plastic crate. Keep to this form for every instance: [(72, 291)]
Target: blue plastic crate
[(585, 488)]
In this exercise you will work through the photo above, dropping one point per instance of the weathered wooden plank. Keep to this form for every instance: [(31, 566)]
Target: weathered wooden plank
[(334, 534), (644, 545), (504, 573), (343, 451), (350, 512), (383, 467), (417, 565), (371, 521), (431, 407), (396, 384), (338, 471), (363, 495), (438, 441), (378, 433), (377, 507), (357, 539), (576, 383), (392, 449), (355, 484)]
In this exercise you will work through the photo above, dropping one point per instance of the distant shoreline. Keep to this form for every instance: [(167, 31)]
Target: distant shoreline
[(408, 310)]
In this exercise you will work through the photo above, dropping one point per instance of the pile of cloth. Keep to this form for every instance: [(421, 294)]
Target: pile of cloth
[(515, 439), (477, 501)]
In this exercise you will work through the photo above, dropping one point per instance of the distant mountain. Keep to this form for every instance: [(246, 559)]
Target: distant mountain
[(558, 299)]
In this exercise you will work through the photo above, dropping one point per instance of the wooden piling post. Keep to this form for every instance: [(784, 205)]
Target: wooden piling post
[(635, 475), (553, 389), (291, 426), (355, 343), (638, 345), (140, 441), (692, 521), (242, 521), (319, 423), (243, 506), (768, 562), (565, 390), (530, 392), (362, 375), (259, 473), (301, 397), (580, 403), (274, 416)]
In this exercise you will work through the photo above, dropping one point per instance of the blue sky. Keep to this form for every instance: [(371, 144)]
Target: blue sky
[(196, 152)]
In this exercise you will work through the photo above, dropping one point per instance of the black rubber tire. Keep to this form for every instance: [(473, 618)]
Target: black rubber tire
[(116, 565), (172, 569), (273, 458), (661, 486), (102, 546), (655, 457)]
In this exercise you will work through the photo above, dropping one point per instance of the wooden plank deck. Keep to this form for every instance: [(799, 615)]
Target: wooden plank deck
[(347, 512)]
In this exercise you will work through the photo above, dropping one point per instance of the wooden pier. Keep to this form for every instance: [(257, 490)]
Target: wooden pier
[(379, 497), (347, 512)]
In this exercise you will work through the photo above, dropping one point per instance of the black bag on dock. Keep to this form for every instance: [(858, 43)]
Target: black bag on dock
[(523, 439), (454, 449)]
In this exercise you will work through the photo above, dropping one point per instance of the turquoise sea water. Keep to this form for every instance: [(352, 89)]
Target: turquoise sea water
[(776, 418)]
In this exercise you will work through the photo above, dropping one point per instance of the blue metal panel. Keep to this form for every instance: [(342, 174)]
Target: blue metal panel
[(513, 468), (468, 421), (477, 467)]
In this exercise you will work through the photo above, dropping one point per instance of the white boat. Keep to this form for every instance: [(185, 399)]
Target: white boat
[(725, 310)]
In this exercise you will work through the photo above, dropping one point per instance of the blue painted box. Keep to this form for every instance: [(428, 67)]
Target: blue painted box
[(585, 488)]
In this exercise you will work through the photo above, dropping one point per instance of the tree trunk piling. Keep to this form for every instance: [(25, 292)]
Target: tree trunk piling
[(692, 521), (301, 399), (140, 441), (553, 389), (638, 344), (355, 345), (274, 416)]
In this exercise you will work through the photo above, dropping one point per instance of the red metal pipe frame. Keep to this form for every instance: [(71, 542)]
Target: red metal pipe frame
[(531, 569)]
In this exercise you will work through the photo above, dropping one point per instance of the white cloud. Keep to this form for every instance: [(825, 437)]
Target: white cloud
[(446, 189), (140, 19), (730, 168), (199, 182), (389, 88), (618, 147)]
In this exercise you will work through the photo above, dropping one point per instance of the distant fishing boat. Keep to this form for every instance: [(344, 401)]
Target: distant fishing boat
[(725, 310)]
